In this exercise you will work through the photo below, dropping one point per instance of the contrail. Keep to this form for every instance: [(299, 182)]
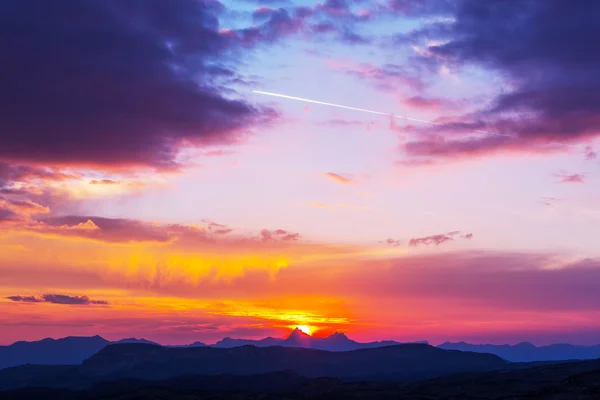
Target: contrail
[(394, 115)]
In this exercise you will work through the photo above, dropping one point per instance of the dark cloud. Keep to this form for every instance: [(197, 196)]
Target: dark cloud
[(58, 299), (544, 49), (112, 83), (25, 299)]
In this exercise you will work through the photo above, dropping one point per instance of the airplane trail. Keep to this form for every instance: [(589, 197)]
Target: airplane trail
[(395, 116)]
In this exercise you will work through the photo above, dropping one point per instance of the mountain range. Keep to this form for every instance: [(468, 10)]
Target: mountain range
[(527, 352), (71, 350), (334, 342), (74, 350)]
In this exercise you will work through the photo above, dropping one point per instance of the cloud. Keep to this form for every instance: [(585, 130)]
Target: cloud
[(590, 154), (418, 8), (57, 299), (387, 77), (554, 93), (11, 173), (148, 87), (103, 182), (329, 17), (341, 122), (429, 103), (19, 210), (123, 231), (437, 239), (570, 178), (278, 234), (338, 178), (393, 242), (110, 230), (25, 299)]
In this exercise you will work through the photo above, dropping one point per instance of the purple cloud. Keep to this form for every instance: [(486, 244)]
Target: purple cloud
[(103, 82), (57, 299), (543, 49), (437, 239), (570, 178)]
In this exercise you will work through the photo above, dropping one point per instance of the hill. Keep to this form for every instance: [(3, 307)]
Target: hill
[(576, 380), (400, 363)]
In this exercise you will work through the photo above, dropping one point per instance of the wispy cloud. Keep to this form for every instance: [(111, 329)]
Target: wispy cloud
[(340, 178), (570, 178), (438, 239)]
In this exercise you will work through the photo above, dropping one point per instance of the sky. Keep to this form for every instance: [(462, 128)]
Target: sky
[(147, 191)]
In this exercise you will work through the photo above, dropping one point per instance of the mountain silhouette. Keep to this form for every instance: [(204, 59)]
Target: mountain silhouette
[(334, 342), (405, 362), (71, 350), (527, 352)]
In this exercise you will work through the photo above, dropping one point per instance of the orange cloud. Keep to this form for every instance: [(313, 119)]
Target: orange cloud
[(103, 182), (339, 178)]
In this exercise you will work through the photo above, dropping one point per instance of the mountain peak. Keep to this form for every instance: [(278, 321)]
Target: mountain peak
[(297, 333)]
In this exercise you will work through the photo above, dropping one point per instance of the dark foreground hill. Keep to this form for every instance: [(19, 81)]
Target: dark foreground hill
[(565, 381), (401, 363)]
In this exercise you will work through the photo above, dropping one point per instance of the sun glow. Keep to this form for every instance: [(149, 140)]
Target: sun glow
[(305, 328)]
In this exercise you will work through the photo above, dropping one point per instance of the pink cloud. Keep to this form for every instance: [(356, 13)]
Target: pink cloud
[(570, 178), (388, 77), (437, 239)]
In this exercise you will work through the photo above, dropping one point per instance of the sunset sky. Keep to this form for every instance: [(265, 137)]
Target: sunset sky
[(146, 191)]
